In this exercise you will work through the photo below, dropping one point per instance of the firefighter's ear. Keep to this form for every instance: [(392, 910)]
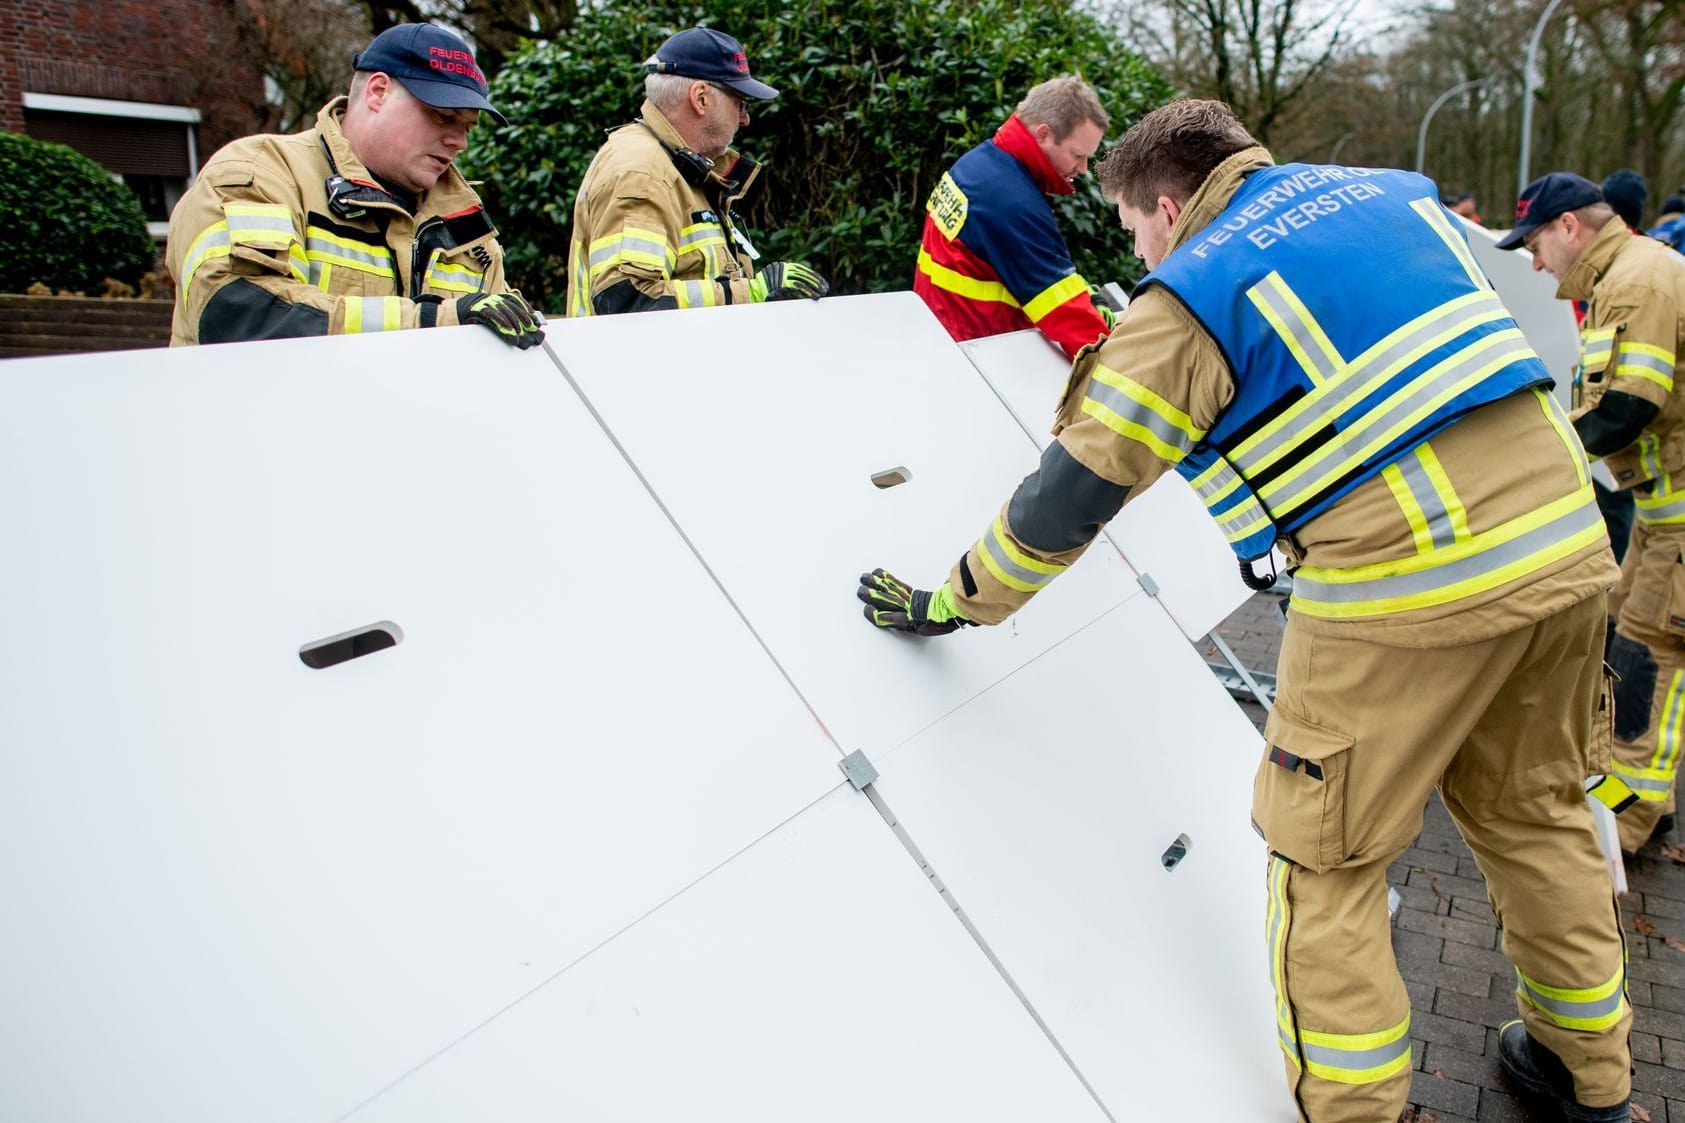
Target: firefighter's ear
[(1171, 208)]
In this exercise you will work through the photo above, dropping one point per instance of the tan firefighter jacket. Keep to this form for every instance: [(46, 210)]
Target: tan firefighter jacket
[(259, 250), (1630, 343), (653, 226), (1499, 479)]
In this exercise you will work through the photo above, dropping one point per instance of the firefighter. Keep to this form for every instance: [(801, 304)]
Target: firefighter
[(1629, 410), (654, 225), (1400, 445), (360, 224), (992, 259)]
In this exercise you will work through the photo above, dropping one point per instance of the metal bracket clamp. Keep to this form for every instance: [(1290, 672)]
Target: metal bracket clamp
[(1148, 585), (858, 769)]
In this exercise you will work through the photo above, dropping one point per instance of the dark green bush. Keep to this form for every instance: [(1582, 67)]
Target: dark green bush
[(69, 223), (878, 97)]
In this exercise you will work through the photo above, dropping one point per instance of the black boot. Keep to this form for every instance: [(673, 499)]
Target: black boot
[(1538, 1071)]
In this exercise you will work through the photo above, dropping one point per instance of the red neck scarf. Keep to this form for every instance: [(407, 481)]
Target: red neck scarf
[(1015, 139)]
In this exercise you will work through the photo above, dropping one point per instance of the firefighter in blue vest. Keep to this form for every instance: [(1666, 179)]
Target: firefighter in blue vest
[(1398, 442)]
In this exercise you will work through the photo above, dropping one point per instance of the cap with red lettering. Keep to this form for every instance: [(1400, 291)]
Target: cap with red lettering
[(1544, 199), (713, 56), (431, 63)]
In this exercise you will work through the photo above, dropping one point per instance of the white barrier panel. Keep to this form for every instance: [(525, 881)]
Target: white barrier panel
[(815, 978), (761, 428), (1049, 807), (1163, 531), (239, 887)]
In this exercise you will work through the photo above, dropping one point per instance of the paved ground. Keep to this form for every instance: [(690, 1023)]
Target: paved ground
[(1461, 988)]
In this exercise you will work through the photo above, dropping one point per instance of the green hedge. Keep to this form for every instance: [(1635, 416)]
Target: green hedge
[(878, 97), (69, 223)]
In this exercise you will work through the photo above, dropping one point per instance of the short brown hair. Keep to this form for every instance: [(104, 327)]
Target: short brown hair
[(1170, 151), (1062, 104)]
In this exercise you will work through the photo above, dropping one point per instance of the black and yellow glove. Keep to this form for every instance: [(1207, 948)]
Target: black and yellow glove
[(787, 280), (506, 314), (1102, 306), (891, 603)]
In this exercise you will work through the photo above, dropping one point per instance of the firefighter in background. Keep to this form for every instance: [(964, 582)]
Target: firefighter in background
[(1629, 410), (360, 224), (653, 224), (1400, 444), (992, 259)]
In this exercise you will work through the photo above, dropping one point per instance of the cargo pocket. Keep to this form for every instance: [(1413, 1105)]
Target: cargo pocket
[(1299, 793), (1673, 621), (1600, 745)]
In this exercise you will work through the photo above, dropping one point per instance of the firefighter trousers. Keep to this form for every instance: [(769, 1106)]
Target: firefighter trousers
[(1647, 652), (1360, 735)]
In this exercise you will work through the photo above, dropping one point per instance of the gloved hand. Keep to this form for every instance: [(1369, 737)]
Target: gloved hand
[(1102, 306), (507, 314), (787, 280), (891, 603)]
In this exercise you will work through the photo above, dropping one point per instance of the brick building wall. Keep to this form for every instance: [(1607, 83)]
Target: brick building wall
[(161, 51)]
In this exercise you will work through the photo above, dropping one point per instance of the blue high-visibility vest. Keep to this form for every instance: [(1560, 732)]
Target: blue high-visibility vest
[(1356, 324)]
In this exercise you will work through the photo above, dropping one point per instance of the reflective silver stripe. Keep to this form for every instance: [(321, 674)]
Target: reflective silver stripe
[(337, 253), (1438, 384), (638, 248), (1440, 531), (1135, 413), (1663, 504), (1563, 1010), (240, 226), (1666, 757), (1317, 409), (701, 236), (1356, 1060), (1647, 787), (695, 294), (1631, 358), (996, 551), (1268, 292), (1219, 478), (1650, 455), (1598, 348), (213, 239), (1276, 945), (1238, 522), (1581, 518)]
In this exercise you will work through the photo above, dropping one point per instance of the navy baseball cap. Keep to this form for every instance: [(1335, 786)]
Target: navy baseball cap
[(431, 63), (1544, 199), (713, 56)]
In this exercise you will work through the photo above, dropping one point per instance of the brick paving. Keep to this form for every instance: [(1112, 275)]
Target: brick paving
[(1461, 987)]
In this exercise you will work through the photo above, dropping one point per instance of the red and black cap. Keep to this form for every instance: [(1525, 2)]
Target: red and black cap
[(713, 56), (1544, 199)]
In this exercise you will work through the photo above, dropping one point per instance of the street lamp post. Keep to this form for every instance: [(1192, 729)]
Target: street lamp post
[(1530, 83), (1422, 132)]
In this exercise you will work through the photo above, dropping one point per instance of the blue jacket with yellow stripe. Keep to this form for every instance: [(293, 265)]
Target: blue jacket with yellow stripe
[(1336, 375)]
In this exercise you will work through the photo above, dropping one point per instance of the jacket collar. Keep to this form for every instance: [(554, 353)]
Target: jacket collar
[(1015, 139), (450, 195), (733, 172), (1594, 261), (1214, 194)]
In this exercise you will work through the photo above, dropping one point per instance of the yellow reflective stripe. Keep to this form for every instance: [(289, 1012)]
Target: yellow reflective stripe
[(323, 249), (1666, 757), (631, 246), (1213, 486), (259, 224), (1412, 510), (1357, 1058), (1455, 513), (1663, 505), (1434, 215), (696, 294), (1131, 410), (1428, 391), (1513, 549), (1641, 360), (1565, 430), (453, 277), (1010, 565), (1276, 936), (1298, 329), (969, 287), (1596, 347), (1651, 784), (1054, 295), (1308, 417), (1589, 1008), (700, 236), (579, 288), (373, 313), (211, 244)]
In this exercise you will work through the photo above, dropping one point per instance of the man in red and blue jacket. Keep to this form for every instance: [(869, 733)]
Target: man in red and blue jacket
[(992, 258)]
